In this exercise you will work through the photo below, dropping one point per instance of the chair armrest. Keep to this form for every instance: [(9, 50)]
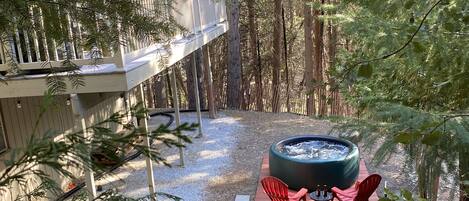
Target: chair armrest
[(357, 184), (301, 193), (341, 192)]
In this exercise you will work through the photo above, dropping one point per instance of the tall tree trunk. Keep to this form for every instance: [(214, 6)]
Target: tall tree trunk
[(318, 27), (285, 53), (150, 93), (308, 57), (233, 87), (160, 92), (209, 82), (190, 82), (252, 27), (180, 81), (259, 89), (254, 54), (168, 88), (276, 57), (332, 47), (200, 63)]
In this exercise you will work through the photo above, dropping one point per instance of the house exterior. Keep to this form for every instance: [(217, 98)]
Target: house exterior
[(105, 83)]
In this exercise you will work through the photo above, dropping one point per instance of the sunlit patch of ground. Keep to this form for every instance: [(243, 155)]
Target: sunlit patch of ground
[(226, 161), (206, 158)]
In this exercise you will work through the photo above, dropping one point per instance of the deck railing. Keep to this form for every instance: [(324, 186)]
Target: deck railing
[(32, 49)]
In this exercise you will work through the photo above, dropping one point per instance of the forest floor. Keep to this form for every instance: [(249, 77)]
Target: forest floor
[(226, 160)]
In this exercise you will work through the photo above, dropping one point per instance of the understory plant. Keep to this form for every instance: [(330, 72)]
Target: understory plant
[(62, 153)]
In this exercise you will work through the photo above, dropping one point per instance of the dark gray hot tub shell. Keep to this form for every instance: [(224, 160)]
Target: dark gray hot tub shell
[(309, 174)]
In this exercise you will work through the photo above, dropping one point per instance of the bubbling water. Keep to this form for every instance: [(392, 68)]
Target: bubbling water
[(315, 150)]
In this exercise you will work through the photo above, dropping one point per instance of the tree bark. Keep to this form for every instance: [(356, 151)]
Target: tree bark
[(332, 47), (308, 57), (259, 89), (190, 82), (200, 63), (276, 57), (254, 62), (285, 53), (209, 82), (169, 101), (189, 61), (180, 82), (318, 27), (233, 87), (150, 93), (160, 92)]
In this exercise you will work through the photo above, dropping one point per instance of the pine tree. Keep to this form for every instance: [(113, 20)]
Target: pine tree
[(408, 79), (233, 87)]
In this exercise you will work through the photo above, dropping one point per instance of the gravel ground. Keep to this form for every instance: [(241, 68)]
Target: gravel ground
[(226, 161), (206, 158), (261, 129)]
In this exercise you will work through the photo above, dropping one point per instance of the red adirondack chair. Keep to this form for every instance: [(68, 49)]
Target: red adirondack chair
[(361, 191), (278, 191)]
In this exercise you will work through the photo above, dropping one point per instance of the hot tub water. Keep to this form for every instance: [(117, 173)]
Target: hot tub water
[(315, 150)]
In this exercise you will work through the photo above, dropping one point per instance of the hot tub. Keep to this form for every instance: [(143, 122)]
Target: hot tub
[(311, 160)]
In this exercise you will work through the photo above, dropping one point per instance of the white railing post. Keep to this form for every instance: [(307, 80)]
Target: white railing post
[(80, 122), (11, 54), (34, 35), (119, 56), (2, 56), (196, 16), (43, 34), (28, 46), (70, 46), (18, 45)]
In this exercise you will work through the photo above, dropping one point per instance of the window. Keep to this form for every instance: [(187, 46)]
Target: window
[(3, 142)]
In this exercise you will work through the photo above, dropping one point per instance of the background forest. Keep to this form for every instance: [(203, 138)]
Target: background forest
[(391, 72), (395, 72)]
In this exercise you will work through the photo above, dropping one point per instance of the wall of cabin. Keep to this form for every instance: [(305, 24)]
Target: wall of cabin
[(19, 123)]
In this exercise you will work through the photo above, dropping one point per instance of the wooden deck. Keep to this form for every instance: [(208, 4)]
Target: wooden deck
[(261, 196)]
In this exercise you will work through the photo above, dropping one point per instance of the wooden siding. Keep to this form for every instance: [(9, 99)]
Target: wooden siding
[(19, 123)]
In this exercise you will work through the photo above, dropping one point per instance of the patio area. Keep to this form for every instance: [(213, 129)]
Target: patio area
[(227, 161), (264, 172)]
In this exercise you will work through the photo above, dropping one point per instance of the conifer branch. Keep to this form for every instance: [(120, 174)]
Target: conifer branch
[(349, 69)]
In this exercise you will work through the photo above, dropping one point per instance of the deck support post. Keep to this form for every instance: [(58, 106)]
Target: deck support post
[(80, 123), (174, 94), (196, 93), (146, 140)]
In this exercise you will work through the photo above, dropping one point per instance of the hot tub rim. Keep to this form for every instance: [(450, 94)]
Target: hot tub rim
[(353, 149)]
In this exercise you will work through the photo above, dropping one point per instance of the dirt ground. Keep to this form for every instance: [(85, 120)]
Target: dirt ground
[(261, 130), (226, 161)]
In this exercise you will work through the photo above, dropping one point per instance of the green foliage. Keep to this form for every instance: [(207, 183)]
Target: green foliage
[(404, 195), (65, 152), (365, 70), (407, 74)]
